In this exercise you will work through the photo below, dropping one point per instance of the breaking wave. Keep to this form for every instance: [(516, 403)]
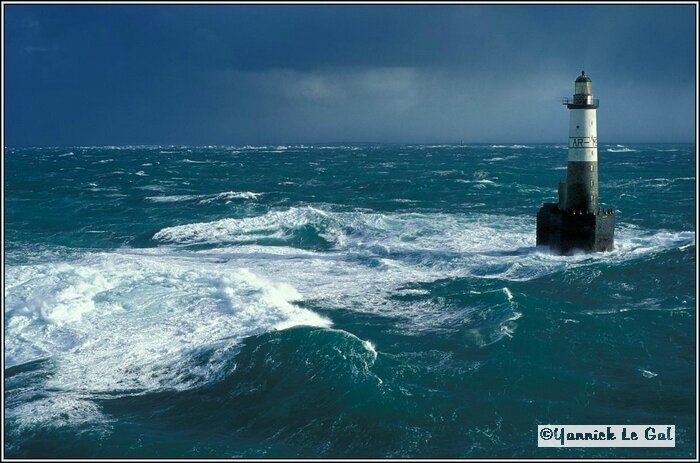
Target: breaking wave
[(84, 312), (205, 199), (405, 235), (620, 149), (513, 146)]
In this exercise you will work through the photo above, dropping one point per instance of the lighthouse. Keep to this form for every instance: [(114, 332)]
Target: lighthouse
[(576, 222)]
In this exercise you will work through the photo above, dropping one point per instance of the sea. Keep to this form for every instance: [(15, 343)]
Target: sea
[(340, 301)]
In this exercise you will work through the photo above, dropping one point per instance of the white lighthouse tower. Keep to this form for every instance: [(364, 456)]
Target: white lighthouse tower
[(577, 222), (581, 193)]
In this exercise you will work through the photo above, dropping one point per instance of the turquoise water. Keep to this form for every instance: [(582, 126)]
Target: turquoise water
[(339, 301)]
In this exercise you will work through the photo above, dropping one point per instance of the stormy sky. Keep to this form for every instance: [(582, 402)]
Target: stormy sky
[(258, 74)]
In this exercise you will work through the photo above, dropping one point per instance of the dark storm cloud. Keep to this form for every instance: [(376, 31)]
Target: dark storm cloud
[(238, 74)]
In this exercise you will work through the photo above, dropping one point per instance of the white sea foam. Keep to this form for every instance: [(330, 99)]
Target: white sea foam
[(440, 173), (125, 321), (230, 195), (412, 292), (409, 248), (479, 178), (172, 198), (648, 374), (272, 224), (500, 158), (508, 294), (427, 247), (477, 238), (205, 199), (129, 323), (56, 411), (370, 347), (620, 149), (337, 147), (512, 146), (507, 331)]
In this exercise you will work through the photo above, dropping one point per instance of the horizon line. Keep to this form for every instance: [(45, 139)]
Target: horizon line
[(287, 144)]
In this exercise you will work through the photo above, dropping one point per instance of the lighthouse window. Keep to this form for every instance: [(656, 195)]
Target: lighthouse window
[(591, 167), (591, 182), (577, 127)]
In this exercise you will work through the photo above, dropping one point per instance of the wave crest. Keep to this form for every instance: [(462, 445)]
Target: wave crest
[(162, 307), (205, 199)]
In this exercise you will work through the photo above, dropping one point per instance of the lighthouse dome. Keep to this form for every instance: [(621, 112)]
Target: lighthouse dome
[(583, 77)]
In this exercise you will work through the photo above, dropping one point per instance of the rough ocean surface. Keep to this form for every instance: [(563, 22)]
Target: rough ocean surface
[(339, 301)]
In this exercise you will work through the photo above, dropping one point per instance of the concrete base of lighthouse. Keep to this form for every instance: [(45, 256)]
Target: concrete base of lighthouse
[(565, 232)]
